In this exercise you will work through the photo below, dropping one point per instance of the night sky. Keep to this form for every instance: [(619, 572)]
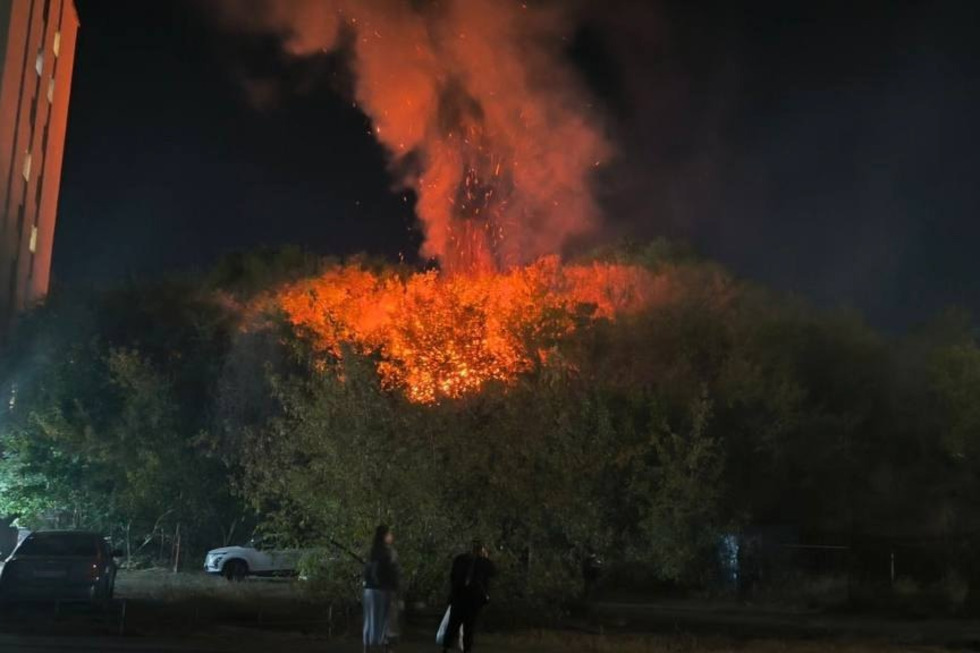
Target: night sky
[(820, 148)]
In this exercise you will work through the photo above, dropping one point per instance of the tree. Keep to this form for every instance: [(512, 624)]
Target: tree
[(109, 425)]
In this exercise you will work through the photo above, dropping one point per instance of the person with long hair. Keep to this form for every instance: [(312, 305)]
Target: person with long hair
[(381, 581)]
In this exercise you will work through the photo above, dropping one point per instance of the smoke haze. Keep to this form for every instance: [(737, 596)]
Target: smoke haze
[(478, 107)]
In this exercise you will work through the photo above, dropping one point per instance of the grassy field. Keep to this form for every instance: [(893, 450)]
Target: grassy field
[(280, 615), (162, 585), (552, 642), (203, 604), (548, 642)]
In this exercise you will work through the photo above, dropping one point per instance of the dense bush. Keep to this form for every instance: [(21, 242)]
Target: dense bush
[(643, 438)]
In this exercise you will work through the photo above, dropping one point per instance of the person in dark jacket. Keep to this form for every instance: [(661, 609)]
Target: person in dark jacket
[(470, 582), (381, 581)]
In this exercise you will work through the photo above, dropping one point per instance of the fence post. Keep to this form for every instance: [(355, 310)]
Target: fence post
[(893, 567), (177, 549), (122, 619)]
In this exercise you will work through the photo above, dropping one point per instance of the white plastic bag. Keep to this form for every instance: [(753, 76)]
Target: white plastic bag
[(444, 626)]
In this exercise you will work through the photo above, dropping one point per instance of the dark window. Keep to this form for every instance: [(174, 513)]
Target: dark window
[(13, 279), (59, 544)]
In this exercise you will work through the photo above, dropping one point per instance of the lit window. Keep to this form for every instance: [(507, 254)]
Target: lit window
[(39, 61), (27, 166), (56, 46), (33, 245), (51, 90)]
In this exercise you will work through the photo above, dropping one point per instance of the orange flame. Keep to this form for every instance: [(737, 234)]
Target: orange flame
[(483, 116), (444, 337)]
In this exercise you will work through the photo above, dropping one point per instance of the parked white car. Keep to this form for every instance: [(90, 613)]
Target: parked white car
[(252, 559)]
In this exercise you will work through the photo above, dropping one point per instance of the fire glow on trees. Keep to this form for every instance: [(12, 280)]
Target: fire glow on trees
[(443, 337)]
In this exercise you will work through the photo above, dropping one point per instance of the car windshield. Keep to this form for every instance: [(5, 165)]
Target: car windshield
[(59, 544)]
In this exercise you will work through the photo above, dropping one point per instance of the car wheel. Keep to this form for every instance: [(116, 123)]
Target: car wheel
[(234, 570)]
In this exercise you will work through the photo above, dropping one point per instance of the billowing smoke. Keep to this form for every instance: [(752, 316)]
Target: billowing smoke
[(476, 104)]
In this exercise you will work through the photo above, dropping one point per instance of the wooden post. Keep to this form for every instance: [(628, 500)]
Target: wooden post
[(122, 619), (177, 549), (129, 543)]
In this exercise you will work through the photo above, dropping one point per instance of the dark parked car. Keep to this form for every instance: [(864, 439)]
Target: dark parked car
[(60, 566)]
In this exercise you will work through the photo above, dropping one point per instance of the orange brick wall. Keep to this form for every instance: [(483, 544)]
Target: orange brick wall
[(32, 125)]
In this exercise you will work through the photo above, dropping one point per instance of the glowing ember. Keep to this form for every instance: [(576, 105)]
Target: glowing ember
[(442, 337)]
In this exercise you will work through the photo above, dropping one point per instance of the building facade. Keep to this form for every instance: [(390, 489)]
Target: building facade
[(37, 53)]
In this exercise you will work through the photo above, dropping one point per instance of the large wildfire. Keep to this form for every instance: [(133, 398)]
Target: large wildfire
[(443, 337), (484, 119)]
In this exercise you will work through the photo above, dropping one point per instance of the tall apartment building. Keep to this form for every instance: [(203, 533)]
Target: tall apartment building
[(37, 53)]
